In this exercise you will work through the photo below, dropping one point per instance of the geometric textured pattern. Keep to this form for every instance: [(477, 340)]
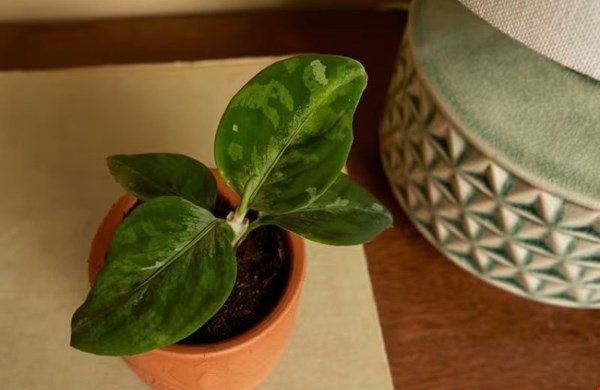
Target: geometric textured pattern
[(484, 218)]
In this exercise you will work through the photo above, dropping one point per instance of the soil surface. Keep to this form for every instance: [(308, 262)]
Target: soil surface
[(263, 270)]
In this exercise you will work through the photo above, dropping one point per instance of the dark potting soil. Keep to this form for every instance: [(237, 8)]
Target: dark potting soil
[(263, 270)]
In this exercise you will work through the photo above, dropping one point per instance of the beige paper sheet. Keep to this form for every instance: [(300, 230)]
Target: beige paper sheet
[(56, 127)]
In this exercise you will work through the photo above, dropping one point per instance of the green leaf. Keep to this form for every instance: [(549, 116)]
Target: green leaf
[(346, 214), (286, 134), (150, 175), (170, 268)]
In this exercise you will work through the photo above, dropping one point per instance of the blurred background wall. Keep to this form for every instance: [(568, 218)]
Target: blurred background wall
[(30, 10)]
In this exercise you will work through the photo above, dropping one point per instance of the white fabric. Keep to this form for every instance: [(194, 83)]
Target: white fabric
[(566, 31)]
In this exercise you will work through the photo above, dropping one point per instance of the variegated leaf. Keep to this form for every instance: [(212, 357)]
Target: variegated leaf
[(150, 175), (346, 214), (170, 268), (286, 134)]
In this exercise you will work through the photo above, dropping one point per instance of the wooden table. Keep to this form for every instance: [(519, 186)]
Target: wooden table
[(444, 329)]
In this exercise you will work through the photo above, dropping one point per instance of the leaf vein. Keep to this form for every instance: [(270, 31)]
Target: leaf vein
[(144, 284), (344, 81)]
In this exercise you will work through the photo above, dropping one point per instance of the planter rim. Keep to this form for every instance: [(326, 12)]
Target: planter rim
[(296, 246)]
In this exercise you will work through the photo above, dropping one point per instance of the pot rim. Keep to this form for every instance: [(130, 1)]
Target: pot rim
[(101, 244)]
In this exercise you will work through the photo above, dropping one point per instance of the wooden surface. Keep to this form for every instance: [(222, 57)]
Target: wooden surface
[(444, 329)]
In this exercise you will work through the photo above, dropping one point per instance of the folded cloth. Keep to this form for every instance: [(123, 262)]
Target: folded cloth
[(566, 31)]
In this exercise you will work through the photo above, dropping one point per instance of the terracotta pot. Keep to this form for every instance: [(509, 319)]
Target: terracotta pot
[(239, 363)]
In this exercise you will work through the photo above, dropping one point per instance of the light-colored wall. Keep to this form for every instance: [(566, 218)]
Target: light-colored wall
[(20, 10)]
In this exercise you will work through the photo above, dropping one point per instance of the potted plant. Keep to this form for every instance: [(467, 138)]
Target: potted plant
[(169, 264)]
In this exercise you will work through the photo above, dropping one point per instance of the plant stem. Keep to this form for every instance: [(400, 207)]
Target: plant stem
[(242, 209), (239, 225), (247, 230), (238, 221)]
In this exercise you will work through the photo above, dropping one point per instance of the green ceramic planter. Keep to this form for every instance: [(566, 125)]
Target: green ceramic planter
[(494, 153)]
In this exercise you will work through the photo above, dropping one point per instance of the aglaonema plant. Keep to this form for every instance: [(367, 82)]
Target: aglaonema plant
[(281, 145)]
